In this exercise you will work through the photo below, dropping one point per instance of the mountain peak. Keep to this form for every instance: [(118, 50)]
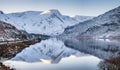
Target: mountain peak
[(51, 11), (46, 12)]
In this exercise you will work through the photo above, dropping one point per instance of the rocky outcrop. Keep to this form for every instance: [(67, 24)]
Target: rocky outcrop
[(10, 33)]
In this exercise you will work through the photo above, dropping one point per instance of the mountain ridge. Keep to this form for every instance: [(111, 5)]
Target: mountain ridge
[(100, 26), (49, 22)]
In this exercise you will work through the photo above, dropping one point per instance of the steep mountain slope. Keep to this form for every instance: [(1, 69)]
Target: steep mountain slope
[(105, 25), (9, 32), (50, 22)]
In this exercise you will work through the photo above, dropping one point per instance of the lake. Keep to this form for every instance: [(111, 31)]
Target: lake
[(69, 54)]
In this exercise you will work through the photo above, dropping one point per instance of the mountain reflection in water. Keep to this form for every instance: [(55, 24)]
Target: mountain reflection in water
[(104, 54), (108, 50)]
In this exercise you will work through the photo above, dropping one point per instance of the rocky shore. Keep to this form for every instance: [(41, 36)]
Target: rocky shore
[(9, 50)]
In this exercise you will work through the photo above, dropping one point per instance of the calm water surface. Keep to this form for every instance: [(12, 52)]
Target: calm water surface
[(89, 54)]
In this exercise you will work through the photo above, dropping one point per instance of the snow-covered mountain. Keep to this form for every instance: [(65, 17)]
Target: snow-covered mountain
[(49, 22), (82, 18), (9, 32), (105, 25)]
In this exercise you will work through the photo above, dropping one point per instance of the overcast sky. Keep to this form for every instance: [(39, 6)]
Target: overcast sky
[(66, 7)]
